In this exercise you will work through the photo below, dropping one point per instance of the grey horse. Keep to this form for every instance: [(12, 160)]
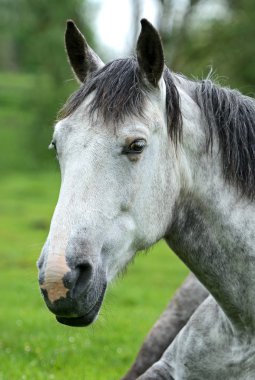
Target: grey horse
[(185, 301), (147, 154)]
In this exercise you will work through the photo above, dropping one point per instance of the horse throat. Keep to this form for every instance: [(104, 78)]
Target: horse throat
[(216, 244)]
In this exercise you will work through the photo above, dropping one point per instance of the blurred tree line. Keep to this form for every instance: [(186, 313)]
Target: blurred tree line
[(224, 42), (32, 41), (198, 38)]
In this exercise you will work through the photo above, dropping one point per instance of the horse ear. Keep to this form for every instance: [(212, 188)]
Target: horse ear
[(150, 53), (82, 58)]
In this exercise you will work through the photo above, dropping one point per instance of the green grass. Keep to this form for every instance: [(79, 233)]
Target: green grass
[(32, 344)]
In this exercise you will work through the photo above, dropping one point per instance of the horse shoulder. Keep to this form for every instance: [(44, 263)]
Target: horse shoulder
[(208, 347)]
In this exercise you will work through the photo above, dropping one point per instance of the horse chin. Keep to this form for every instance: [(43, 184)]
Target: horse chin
[(77, 321), (86, 319)]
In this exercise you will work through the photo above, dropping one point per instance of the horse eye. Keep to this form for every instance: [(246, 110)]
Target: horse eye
[(136, 147)]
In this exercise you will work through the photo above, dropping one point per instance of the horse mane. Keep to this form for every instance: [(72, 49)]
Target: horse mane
[(119, 91), (230, 118)]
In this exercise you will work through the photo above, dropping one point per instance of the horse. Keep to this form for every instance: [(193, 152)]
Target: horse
[(177, 313), (147, 154)]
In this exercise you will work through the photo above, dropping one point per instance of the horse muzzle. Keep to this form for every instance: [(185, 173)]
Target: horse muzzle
[(74, 295)]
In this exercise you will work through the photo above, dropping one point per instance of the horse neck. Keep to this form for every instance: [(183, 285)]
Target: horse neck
[(213, 233)]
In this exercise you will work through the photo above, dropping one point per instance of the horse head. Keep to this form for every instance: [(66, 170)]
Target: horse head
[(120, 175)]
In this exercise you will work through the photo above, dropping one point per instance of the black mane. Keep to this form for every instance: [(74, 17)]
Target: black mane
[(230, 118), (119, 92)]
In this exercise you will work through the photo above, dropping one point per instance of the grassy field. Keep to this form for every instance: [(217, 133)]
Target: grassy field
[(33, 345)]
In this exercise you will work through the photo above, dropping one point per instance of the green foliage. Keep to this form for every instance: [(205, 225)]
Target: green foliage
[(32, 41), (224, 44), (35, 28), (20, 137), (32, 344)]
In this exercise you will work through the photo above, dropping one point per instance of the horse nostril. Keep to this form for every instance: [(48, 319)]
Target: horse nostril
[(84, 276)]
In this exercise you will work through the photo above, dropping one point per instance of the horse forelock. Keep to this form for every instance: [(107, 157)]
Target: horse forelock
[(119, 92)]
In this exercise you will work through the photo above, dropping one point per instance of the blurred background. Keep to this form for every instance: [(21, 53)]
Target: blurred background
[(35, 80)]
